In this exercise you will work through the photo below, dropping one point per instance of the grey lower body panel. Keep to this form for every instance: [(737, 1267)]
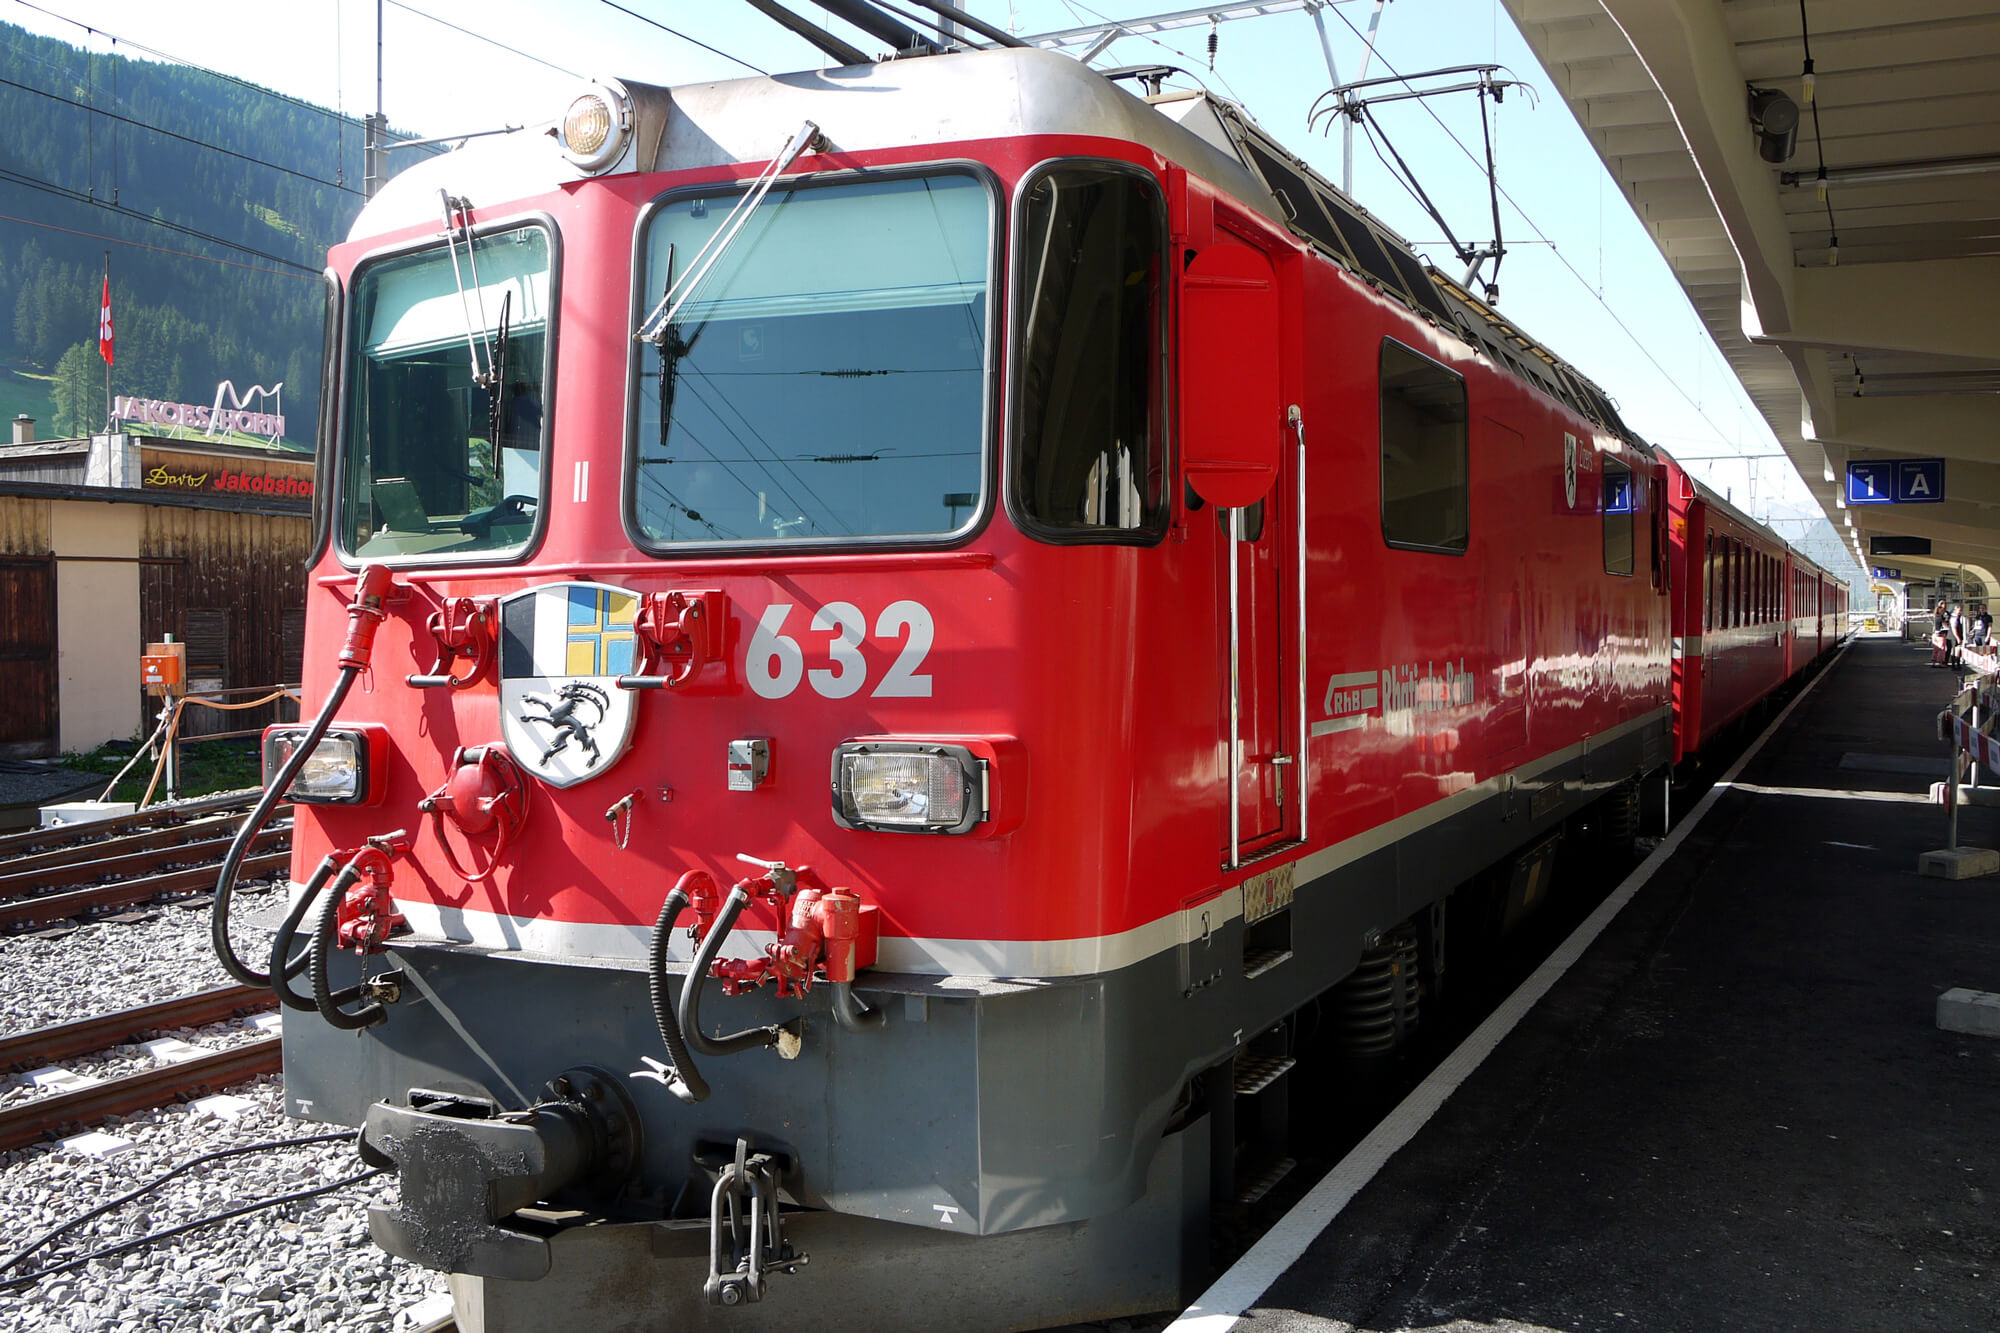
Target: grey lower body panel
[(1002, 1128), (865, 1276)]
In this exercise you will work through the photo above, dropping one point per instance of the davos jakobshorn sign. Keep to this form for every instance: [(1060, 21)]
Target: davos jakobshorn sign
[(213, 419)]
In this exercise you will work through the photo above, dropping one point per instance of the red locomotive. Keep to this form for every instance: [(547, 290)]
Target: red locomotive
[(918, 617)]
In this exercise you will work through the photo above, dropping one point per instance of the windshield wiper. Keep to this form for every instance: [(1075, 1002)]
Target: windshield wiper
[(497, 405), (481, 375), (656, 326)]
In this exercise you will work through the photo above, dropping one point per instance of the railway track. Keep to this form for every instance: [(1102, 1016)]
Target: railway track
[(33, 1121), (50, 875)]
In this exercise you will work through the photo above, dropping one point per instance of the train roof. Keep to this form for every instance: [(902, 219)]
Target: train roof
[(991, 94), (1708, 496)]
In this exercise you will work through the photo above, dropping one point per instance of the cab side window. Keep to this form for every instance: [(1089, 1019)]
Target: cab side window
[(1426, 480)]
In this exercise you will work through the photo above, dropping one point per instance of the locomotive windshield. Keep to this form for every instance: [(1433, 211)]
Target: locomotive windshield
[(422, 470), (828, 381)]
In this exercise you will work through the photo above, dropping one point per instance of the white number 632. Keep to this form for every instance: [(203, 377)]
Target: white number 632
[(775, 664)]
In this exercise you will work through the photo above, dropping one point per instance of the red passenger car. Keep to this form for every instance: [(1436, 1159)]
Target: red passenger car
[(1749, 613), (1002, 593)]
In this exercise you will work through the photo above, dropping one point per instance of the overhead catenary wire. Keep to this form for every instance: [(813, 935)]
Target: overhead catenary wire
[(1554, 248), (158, 249), (125, 211), (1078, 10), (170, 134), (482, 37), (172, 59), (715, 50)]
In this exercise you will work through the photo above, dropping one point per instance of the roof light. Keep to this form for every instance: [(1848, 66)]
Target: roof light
[(596, 127)]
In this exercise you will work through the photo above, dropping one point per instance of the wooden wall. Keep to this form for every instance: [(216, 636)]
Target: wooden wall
[(24, 525), (232, 586)]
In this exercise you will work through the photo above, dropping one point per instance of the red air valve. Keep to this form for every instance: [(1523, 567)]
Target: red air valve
[(483, 794), (820, 929), (679, 633), (843, 924), (365, 615), (367, 915), (464, 630)]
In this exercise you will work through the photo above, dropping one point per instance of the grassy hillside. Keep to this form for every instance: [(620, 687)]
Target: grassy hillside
[(26, 393)]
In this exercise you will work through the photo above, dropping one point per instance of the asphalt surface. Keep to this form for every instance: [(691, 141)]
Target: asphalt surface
[(1736, 1111)]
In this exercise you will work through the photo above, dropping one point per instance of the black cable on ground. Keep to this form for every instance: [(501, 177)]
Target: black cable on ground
[(47, 1237)]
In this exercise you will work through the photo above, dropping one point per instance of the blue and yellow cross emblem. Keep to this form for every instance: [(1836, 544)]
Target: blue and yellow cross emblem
[(600, 639)]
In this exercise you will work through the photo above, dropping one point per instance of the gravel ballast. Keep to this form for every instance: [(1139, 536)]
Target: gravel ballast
[(306, 1265)]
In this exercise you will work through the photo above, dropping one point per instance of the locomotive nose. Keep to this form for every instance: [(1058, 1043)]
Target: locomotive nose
[(466, 1168)]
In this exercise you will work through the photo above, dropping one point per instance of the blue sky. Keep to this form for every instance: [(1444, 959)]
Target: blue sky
[(1581, 274)]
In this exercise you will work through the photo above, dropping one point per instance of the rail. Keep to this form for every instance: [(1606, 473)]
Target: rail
[(166, 853), (33, 1121), (85, 1035)]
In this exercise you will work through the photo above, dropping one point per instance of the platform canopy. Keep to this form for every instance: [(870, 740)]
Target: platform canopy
[(1888, 351)]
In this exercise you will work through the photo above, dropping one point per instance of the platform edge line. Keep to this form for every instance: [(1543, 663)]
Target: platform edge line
[(1220, 1307)]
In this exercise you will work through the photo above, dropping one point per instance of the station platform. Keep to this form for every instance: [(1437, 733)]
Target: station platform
[(1735, 1109)]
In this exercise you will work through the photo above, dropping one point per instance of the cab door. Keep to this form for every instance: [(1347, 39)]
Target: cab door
[(1231, 386)]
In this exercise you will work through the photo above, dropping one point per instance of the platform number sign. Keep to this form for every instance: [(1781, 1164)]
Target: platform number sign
[(1903, 481)]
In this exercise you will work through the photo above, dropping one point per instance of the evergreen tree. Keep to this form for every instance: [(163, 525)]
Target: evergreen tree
[(79, 392)]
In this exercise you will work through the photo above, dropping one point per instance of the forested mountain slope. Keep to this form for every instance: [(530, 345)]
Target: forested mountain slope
[(253, 187)]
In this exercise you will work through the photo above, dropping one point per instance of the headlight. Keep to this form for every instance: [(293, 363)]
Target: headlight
[(596, 126), (908, 786), (344, 768)]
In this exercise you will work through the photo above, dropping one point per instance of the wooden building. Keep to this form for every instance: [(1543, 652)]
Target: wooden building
[(112, 542)]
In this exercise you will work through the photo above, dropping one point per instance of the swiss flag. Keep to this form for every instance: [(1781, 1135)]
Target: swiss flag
[(104, 324)]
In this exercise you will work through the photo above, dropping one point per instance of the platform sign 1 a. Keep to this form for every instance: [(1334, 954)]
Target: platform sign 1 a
[(1883, 481)]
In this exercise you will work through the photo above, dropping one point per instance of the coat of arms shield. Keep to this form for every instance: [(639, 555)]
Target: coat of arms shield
[(562, 648)]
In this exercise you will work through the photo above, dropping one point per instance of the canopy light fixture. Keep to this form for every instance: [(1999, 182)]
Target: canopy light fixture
[(1928, 169), (1775, 117)]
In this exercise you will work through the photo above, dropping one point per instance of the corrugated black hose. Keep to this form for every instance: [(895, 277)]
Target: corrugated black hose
[(749, 1039), (253, 824), (281, 943), (319, 953), (687, 1083)]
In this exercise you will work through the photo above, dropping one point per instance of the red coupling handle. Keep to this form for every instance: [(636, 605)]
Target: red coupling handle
[(463, 630), (365, 615), (677, 637)]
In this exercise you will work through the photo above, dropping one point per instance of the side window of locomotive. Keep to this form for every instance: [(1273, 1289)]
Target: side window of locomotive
[(1426, 489), (827, 379), (445, 421), (1089, 463), (1617, 506), (323, 441)]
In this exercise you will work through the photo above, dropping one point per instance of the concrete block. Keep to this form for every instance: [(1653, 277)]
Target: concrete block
[(1974, 1011), (1959, 862)]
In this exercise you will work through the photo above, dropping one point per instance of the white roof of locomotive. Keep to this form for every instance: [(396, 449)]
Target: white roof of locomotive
[(995, 94)]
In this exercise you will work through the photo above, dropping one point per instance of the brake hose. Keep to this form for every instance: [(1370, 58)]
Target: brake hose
[(324, 997), (281, 943), (749, 1039), (364, 617), (687, 1084), (225, 885)]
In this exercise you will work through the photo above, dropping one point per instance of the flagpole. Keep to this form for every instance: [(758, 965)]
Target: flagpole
[(107, 364)]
